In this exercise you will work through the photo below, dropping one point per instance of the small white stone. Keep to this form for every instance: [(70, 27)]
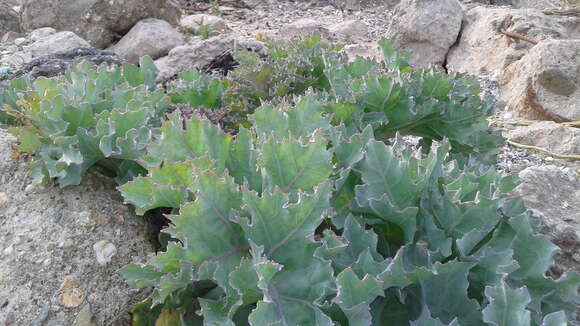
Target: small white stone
[(4, 198), (19, 41), (9, 250), (104, 250), (549, 159)]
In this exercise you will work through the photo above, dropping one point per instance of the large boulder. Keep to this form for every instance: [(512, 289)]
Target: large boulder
[(545, 83), (552, 194), (199, 53), (98, 21), (483, 50), (151, 37), (426, 29), (9, 19), (62, 249)]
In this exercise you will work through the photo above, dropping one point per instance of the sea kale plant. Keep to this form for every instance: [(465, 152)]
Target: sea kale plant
[(351, 192), (301, 220)]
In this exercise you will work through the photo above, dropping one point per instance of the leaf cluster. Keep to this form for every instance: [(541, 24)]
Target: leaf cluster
[(106, 116), (90, 117)]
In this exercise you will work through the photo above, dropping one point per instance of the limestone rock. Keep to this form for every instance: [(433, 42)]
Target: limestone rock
[(152, 37), (426, 29), (199, 53), (482, 50), (58, 42), (554, 137), (193, 22), (552, 194), (350, 30), (50, 273), (545, 84), (41, 33), (303, 27), (97, 21)]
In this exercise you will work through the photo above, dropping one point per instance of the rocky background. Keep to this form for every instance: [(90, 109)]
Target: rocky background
[(60, 249)]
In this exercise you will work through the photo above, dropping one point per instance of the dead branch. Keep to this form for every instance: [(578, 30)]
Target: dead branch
[(563, 12), (518, 36), (232, 3), (545, 151)]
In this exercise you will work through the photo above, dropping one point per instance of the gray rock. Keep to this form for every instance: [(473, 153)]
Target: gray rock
[(57, 64), (41, 33), (198, 53), (9, 19), (350, 30), (192, 23), (552, 136), (482, 50), (426, 29), (552, 194), (545, 83), (97, 21), (59, 42), (151, 37), (303, 27), (50, 272)]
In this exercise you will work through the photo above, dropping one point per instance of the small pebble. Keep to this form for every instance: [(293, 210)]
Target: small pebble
[(4, 198), (19, 41), (104, 251), (71, 295), (9, 250)]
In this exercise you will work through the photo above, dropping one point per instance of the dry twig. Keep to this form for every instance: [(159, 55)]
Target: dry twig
[(563, 12), (232, 3), (531, 122), (545, 151), (518, 36)]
